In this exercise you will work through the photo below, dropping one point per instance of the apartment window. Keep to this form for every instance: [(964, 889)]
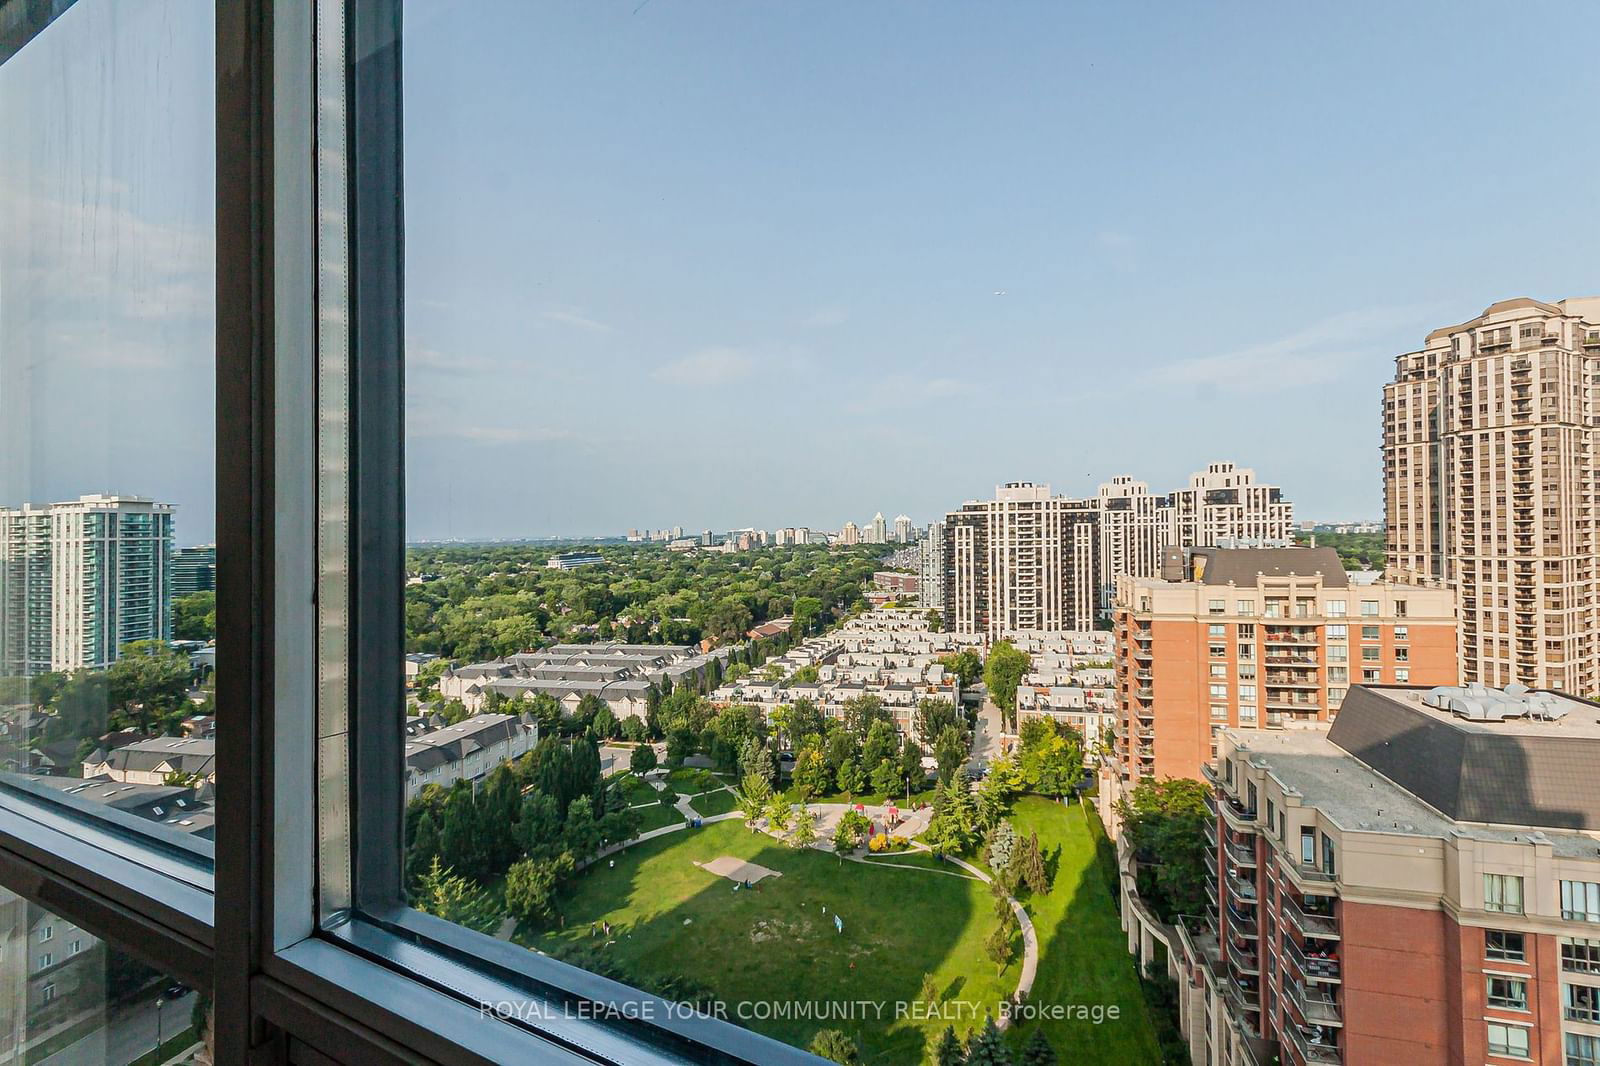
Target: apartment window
[(1580, 901), (1369, 633), (1246, 631), (1247, 651), (1402, 676), (1335, 697), (1329, 866), (1219, 712), (47, 994), (46, 932), (1371, 677), (1507, 993), (1582, 1049), (1219, 669), (1217, 606), (1339, 673), (1508, 1040), (1336, 608), (1581, 1003), (1251, 793), (1247, 692), (1219, 692), (1504, 945), (45, 960), (1272, 812), (1247, 672), (1217, 629), (1218, 651), (1369, 608), (1399, 608), (1308, 846), (1337, 632), (1369, 654), (1402, 655), (74, 946), (1502, 893), (1580, 955), (1247, 714), (1402, 632), (1244, 608)]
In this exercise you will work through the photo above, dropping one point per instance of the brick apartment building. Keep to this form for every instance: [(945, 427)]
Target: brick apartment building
[(1259, 638), (1417, 883)]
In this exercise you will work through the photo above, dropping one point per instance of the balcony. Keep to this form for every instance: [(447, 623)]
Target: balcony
[(1242, 890), (1242, 923), (1321, 1050), (1241, 960), (1310, 923), (1237, 814), (1317, 1005), (1240, 853), (1318, 964)]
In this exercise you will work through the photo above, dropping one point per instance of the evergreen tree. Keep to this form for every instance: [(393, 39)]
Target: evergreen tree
[(1031, 866), (949, 1051), (460, 835), (446, 895), (1038, 1051), (582, 832), (986, 1047), (835, 1046), (1002, 847), (424, 848)]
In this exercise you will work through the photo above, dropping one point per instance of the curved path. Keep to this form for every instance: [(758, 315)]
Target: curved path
[(831, 812)]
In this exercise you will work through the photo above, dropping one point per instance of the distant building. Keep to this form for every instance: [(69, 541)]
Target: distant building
[(414, 663), (1260, 638), (149, 762), (877, 530), (1025, 560), (898, 585), (1490, 478), (573, 560), (194, 570), (1131, 533), (80, 579), (850, 534), (902, 529), (931, 567), (466, 751), (1225, 504)]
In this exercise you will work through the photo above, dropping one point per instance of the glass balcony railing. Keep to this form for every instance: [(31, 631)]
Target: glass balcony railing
[(1308, 922), (1316, 1046), (1314, 963)]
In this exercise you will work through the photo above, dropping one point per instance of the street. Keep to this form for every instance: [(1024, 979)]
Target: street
[(985, 738), (129, 1033)]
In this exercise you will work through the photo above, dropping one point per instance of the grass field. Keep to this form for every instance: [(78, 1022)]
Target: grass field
[(657, 815), (776, 945), (1083, 953), (719, 802)]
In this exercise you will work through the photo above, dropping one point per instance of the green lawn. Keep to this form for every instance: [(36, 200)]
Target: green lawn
[(637, 791), (1083, 953), (689, 780), (709, 803), (657, 815), (776, 945)]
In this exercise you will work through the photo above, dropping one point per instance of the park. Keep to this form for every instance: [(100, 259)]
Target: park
[(770, 956)]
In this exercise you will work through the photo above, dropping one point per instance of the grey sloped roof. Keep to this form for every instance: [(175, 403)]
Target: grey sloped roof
[(1243, 566), (1503, 773)]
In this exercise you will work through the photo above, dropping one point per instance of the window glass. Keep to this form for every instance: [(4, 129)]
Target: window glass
[(1508, 993), (1500, 944), (107, 410)]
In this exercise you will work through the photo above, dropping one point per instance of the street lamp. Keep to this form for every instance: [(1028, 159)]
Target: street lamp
[(159, 1004)]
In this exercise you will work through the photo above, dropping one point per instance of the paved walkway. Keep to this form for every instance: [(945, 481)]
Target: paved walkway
[(985, 738)]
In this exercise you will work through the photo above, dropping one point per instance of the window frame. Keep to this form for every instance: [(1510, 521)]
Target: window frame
[(330, 963)]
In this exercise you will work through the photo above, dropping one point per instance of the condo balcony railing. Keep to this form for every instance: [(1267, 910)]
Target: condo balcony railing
[(1322, 1049), (1317, 1004), (1307, 922), (1242, 961), (1242, 854), (1241, 890), (1314, 965), (1242, 922)]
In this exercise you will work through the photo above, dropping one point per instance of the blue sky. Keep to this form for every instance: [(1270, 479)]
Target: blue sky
[(739, 263)]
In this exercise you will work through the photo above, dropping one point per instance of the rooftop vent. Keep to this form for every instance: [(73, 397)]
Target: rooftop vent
[(1479, 703)]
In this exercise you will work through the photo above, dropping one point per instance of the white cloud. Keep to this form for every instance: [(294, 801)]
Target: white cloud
[(708, 366), (576, 321), (1316, 355)]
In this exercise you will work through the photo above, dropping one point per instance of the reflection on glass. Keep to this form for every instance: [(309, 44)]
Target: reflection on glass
[(68, 998), (107, 570)]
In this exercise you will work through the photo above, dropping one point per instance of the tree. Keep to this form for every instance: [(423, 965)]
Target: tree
[(531, 888), (964, 664), (810, 774), (424, 849), (934, 620), (834, 1046), (998, 946), (605, 725), (1165, 822), (851, 831), (539, 826), (951, 753), (1002, 673), (779, 813), (861, 712), (880, 743), (807, 609), (805, 830), (1030, 866), (929, 992), (546, 710), (1002, 847), (148, 686), (1051, 756), (455, 899), (752, 795), (194, 617), (986, 1047), (851, 779), (582, 831), (933, 715), (949, 1051), (885, 778), (1038, 1051), (643, 759), (755, 758)]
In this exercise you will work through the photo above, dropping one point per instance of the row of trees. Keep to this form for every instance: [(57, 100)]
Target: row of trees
[(533, 822), (1165, 823), (983, 1047), (480, 601)]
